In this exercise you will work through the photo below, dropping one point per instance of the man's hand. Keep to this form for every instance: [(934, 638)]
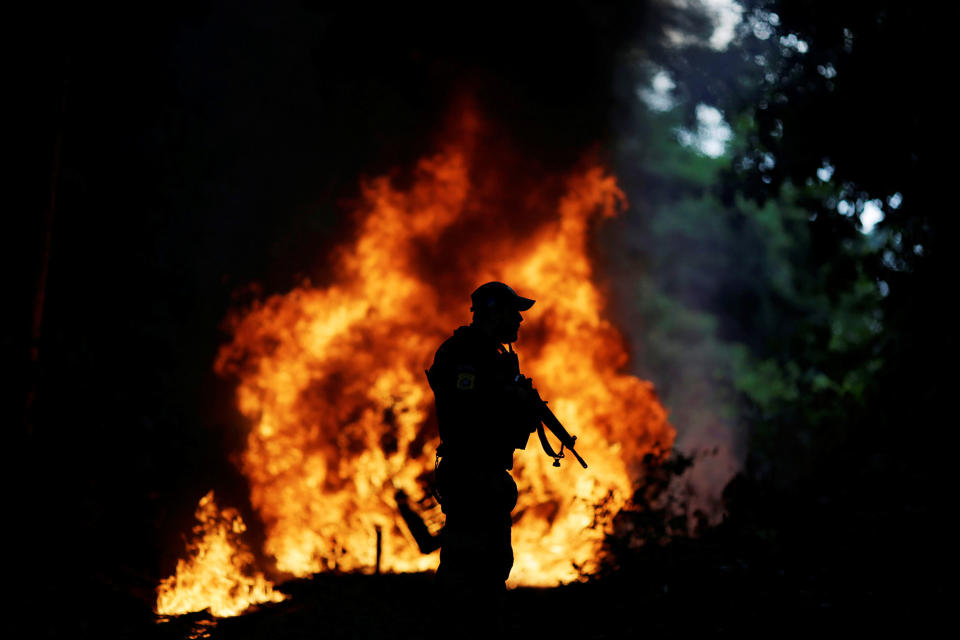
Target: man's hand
[(526, 399), (522, 391)]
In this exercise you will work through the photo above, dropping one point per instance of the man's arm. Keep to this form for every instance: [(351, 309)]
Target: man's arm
[(461, 395)]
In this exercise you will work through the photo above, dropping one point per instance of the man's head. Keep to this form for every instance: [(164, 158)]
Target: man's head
[(496, 310)]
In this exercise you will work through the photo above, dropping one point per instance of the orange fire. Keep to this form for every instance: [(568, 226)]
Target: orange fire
[(219, 574), (332, 376)]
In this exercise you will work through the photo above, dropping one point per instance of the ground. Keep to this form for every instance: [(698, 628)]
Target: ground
[(723, 584)]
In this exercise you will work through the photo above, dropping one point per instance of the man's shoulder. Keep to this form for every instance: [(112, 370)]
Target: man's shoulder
[(463, 342), (465, 350), (456, 354)]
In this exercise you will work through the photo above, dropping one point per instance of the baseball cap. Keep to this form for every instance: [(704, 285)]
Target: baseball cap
[(495, 294)]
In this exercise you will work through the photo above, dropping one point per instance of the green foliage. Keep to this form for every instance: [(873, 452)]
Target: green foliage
[(766, 311), (760, 319)]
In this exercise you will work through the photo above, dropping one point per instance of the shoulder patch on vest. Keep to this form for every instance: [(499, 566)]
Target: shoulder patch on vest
[(465, 381)]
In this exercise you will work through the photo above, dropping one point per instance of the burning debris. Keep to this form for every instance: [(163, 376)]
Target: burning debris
[(219, 574), (331, 377)]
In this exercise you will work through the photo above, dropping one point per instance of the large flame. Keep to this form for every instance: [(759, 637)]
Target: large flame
[(332, 377), (219, 574)]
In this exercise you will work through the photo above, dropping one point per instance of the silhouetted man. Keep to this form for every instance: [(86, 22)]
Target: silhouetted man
[(484, 412)]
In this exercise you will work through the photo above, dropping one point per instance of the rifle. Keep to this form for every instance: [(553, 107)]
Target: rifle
[(550, 421), (543, 412)]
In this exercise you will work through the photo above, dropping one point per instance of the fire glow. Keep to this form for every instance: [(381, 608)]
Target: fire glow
[(331, 377), (220, 573)]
